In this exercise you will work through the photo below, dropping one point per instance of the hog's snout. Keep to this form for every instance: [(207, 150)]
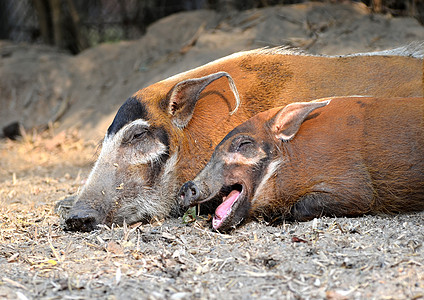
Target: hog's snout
[(189, 193), (81, 221)]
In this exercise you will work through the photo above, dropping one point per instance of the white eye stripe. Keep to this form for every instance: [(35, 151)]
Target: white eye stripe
[(150, 157), (144, 158), (140, 122), (270, 170), (117, 138), (237, 158), (136, 122), (112, 143)]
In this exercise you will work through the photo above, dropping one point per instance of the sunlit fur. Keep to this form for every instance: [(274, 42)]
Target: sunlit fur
[(368, 159), (354, 156), (264, 78), (413, 49)]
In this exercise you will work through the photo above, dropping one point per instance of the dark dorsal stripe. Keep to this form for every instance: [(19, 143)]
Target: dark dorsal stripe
[(131, 110)]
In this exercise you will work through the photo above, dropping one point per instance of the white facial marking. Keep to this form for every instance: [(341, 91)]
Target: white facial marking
[(108, 154), (111, 143), (136, 158), (145, 158), (170, 166), (237, 158), (150, 201), (270, 170)]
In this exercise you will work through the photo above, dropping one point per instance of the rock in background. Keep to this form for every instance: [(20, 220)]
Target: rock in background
[(39, 85)]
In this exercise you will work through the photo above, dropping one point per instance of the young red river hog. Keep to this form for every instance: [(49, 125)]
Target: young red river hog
[(337, 157), (164, 134)]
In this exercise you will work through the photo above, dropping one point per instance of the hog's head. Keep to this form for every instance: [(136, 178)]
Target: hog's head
[(244, 164), (146, 154)]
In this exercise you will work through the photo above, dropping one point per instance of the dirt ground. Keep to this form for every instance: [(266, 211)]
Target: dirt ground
[(372, 257)]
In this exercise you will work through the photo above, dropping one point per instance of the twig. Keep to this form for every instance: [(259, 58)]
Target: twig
[(12, 282), (49, 239)]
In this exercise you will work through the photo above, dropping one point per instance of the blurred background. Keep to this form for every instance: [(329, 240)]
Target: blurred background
[(75, 25)]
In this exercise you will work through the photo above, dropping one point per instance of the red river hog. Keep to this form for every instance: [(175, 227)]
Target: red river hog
[(165, 133), (336, 157)]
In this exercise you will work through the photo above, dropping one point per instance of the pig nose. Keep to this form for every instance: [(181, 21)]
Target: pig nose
[(189, 193), (81, 221)]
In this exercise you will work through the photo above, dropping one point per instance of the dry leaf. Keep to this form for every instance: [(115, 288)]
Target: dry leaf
[(114, 248)]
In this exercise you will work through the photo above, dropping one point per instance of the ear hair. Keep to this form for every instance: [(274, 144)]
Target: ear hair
[(287, 121), (185, 94)]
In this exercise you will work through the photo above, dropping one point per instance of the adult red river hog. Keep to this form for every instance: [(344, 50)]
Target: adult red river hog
[(337, 157), (164, 134)]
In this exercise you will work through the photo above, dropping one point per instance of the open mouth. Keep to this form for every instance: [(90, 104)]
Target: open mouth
[(230, 200)]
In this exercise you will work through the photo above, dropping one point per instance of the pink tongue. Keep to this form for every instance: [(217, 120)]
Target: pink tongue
[(222, 210)]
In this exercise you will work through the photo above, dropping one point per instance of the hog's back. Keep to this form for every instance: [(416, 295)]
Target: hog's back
[(393, 138), (367, 152)]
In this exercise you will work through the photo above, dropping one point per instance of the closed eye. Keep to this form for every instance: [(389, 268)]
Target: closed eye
[(139, 135), (135, 135), (243, 144)]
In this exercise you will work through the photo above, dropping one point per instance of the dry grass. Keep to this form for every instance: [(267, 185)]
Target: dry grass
[(378, 257)]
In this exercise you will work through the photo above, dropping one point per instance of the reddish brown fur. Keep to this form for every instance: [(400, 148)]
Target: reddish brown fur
[(372, 154), (356, 155), (264, 79)]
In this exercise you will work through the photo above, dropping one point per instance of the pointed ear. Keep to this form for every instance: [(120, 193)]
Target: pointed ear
[(287, 121), (184, 95)]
